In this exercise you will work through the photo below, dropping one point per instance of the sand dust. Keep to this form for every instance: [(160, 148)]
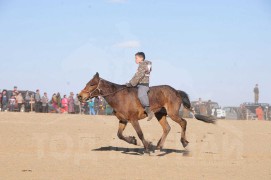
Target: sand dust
[(52, 146)]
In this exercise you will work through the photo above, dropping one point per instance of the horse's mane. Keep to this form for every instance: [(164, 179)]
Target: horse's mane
[(113, 85)]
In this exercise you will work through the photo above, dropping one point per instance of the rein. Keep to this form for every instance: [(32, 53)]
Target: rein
[(99, 90), (113, 92)]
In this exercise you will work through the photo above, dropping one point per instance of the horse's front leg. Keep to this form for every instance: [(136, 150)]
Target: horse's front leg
[(147, 145), (130, 139)]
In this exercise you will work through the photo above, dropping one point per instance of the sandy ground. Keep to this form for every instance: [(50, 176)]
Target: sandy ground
[(52, 146)]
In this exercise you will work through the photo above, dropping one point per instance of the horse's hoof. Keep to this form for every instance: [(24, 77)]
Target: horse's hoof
[(133, 140), (184, 142), (147, 152), (151, 147), (159, 148)]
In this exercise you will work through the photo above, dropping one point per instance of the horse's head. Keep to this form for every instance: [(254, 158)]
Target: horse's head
[(91, 90)]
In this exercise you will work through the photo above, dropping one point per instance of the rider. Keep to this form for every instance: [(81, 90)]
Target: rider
[(141, 80)]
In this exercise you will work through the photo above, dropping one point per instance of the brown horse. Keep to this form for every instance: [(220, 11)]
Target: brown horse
[(164, 100)]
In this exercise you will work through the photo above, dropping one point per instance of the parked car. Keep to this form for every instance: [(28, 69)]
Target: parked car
[(217, 111)]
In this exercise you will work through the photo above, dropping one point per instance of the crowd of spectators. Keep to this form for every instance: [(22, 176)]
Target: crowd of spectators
[(28, 101)]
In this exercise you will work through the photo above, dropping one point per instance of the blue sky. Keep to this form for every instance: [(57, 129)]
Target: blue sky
[(211, 49)]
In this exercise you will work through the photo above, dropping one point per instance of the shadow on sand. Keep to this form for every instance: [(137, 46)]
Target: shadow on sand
[(140, 151)]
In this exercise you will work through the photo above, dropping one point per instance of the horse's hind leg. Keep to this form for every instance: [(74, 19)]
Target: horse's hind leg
[(147, 145), (182, 122), (130, 139), (166, 128)]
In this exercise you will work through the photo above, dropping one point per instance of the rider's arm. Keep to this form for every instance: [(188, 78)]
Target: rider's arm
[(138, 76)]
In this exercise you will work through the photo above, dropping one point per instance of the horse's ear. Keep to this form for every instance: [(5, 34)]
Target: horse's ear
[(97, 75)]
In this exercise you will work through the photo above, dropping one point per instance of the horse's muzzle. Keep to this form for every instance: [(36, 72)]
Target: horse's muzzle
[(80, 98)]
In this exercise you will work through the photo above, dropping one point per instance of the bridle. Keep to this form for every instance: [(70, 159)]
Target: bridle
[(100, 91), (97, 88)]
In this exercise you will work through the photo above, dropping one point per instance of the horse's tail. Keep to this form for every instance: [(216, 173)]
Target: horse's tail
[(185, 99), (187, 105)]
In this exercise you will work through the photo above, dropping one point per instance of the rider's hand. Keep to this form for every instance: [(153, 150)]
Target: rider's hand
[(129, 85)]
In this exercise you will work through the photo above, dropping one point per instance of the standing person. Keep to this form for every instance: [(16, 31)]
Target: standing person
[(58, 97), (37, 101), (108, 109), (12, 102), (45, 102), (15, 90), (265, 112), (20, 101), (64, 103), (71, 104), (96, 105), (86, 108), (77, 105), (91, 107), (0, 101), (82, 108), (102, 106), (259, 113), (5, 100), (141, 80), (269, 114), (54, 103), (27, 102), (256, 94)]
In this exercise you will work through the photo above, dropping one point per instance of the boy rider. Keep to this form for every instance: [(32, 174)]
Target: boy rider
[(141, 80)]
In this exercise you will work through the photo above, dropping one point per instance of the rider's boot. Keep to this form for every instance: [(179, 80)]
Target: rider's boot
[(149, 113)]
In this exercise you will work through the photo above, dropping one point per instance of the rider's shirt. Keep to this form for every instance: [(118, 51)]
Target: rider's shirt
[(142, 77)]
